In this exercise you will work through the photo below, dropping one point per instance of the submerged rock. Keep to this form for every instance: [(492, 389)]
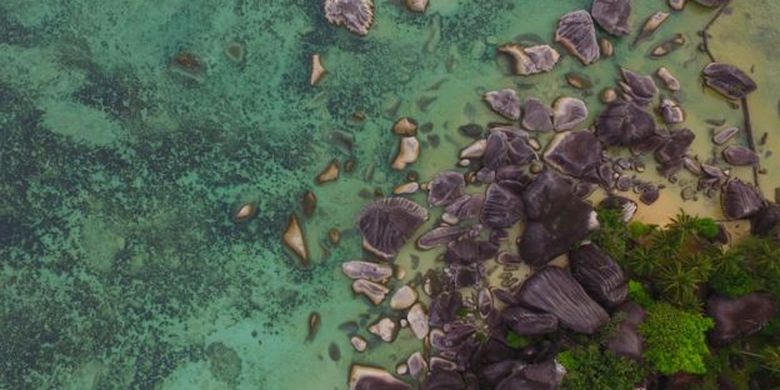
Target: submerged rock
[(555, 291), (740, 200), (245, 212), (601, 276), (728, 80), (417, 365), (329, 174), (446, 188), (525, 322), (504, 102), (369, 378), (575, 153), (358, 343), (531, 60), (577, 34), (568, 113), (388, 223), (356, 15), (417, 5), (739, 317), (612, 15), (293, 240), (638, 88), (466, 207), (651, 24), (317, 70), (624, 124), (538, 116), (441, 236), (739, 155), (418, 321)]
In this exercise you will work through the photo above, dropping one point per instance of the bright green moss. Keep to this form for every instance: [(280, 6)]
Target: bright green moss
[(588, 367), (639, 295), (676, 339)]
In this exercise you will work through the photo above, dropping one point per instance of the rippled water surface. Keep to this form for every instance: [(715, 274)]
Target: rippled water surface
[(120, 264)]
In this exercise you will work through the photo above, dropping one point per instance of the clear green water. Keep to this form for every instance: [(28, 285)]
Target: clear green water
[(120, 266)]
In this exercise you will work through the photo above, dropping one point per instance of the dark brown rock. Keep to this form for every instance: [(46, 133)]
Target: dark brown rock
[(624, 124), (525, 322), (625, 340), (388, 223), (675, 147), (740, 155), (538, 116), (612, 15), (574, 153), (568, 113), (502, 208), (577, 34), (739, 317), (446, 188), (766, 222), (601, 277), (555, 291), (729, 80), (638, 88), (504, 102), (740, 200)]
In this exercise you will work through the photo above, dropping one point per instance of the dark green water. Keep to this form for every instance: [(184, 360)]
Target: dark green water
[(120, 265)]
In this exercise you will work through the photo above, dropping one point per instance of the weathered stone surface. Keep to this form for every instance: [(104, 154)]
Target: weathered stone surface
[(568, 113), (555, 291), (507, 146), (356, 15), (525, 322), (672, 112), (370, 378), (725, 135), (373, 291), (317, 70), (538, 116), (418, 321), (638, 88), (612, 15), (358, 343), (405, 127), (574, 153), (366, 270), (740, 200), (668, 78), (766, 222), (441, 236), (502, 207), (466, 207), (417, 5), (739, 155), (408, 152), (625, 340), (444, 308), (624, 124), (675, 147), (476, 149), (531, 60), (403, 298), (293, 239), (446, 188), (504, 102), (417, 365), (388, 223), (728, 80), (599, 275), (652, 23), (577, 34), (385, 329), (739, 317)]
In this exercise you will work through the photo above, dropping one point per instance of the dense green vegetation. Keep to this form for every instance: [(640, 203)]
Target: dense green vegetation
[(672, 271), (590, 367)]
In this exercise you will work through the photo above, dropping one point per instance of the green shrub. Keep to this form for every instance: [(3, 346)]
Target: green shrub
[(588, 367), (732, 278), (675, 339), (639, 295), (612, 236)]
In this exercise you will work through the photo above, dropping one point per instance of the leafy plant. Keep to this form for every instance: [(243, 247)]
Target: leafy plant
[(612, 236), (639, 295), (676, 339), (732, 278), (589, 367)]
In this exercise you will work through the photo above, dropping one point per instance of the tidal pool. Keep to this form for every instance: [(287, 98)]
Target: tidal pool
[(131, 131)]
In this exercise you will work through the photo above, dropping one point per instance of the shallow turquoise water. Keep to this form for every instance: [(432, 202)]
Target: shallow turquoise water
[(120, 264)]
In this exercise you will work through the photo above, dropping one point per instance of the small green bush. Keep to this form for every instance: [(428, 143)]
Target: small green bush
[(639, 295), (676, 340), (588, 367)]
